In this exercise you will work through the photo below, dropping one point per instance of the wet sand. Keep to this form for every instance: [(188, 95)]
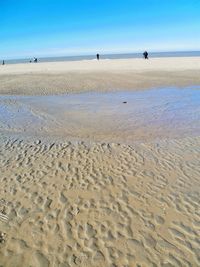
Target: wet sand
[(87, 180), (103, 204), (122, 116)]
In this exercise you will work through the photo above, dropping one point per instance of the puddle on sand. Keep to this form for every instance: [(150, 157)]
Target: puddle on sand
[(147, 115)]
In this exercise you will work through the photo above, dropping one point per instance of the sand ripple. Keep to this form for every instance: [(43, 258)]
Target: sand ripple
[(73, 204)]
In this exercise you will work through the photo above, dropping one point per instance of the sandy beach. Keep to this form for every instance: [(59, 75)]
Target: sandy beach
[(106, 174), (105, 75)]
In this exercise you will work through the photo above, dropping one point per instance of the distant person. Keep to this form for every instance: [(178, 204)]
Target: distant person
[(35, 60), (98, 56), (3, 63), (146, 55)]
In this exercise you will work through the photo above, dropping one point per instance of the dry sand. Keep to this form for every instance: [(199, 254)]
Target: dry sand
[(105, 75), (99, 204)]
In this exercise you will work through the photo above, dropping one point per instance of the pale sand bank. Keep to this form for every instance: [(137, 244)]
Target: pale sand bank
[(105, 75)]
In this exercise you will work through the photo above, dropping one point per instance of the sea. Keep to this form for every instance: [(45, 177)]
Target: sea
[(106, 56)]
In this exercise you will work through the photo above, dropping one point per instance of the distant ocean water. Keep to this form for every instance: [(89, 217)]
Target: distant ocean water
[(106, 56)]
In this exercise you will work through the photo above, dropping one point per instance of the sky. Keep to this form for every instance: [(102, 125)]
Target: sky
[(78, 27)]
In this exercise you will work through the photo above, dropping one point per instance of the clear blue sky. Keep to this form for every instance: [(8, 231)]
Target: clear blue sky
[(72, 27)]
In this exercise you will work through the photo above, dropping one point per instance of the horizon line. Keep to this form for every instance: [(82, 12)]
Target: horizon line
[(103, 54)]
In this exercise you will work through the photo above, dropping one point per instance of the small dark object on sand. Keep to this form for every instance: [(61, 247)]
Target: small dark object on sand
[(124, 102)]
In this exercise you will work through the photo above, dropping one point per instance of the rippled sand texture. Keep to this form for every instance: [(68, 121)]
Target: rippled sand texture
[(100, 204)]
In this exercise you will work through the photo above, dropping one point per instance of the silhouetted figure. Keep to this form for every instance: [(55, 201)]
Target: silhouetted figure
[(145, 54), (97, 56), (3, 63), (35, 60)]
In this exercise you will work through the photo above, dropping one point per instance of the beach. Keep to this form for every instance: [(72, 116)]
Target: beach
[(100, 163), (105, 75)]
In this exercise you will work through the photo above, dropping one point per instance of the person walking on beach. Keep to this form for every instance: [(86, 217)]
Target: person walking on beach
[(97, 56), (3, 63), (145, 54), (35, 60)]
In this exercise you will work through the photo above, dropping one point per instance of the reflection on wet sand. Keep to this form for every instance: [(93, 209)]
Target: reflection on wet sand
[(127, 116)]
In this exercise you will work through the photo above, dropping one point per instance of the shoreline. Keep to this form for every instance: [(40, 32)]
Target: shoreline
[(125, 55)]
